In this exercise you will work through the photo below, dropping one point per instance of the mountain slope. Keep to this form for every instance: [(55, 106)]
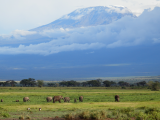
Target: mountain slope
[(91, 16)]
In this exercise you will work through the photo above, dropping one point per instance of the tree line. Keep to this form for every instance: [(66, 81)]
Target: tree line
[(31, 82)]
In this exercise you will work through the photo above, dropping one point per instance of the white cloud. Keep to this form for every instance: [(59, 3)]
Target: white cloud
[(124, 32), (118, 9), (23, 32), (116, 65), (48, 48), (156, 40), (18, 34)]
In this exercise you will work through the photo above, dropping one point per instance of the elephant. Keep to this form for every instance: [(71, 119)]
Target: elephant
[(49, 99), (1, 100), (116, 98), (25, 99), (75, 100), (57, 98), (17, 100), (66, 99), (81, 99)]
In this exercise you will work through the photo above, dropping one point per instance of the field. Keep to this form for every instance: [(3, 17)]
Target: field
[(95, 99)]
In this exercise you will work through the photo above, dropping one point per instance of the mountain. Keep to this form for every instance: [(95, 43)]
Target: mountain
[(116, 44), (91, 16)]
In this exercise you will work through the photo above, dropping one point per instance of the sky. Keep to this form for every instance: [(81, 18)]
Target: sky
[(29, 14), (126, 47)]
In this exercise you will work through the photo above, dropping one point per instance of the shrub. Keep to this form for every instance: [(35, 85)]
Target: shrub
[(98, 115), (21, 117), (141, 116), (68, 116), (151, 110), (28, 118), (128, 111), (123, 87), (84, 115), (4, 114)]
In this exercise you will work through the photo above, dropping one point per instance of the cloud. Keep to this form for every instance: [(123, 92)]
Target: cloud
[(17, 34), (116, 65), (118, 9), (156, 40), (48, 48), (125, 32)]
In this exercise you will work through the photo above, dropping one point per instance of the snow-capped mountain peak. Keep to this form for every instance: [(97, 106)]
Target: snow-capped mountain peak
[(91, 16)]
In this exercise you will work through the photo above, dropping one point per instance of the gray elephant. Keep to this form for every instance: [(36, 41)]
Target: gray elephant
[(81, 99), (75, 100), (116, 98), (1, 100), (26, 99), (49, 99), (66, 99), (57, 98), (17, 100)]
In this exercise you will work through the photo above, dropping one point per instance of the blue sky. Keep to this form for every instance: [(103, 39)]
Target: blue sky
[(126, 47)]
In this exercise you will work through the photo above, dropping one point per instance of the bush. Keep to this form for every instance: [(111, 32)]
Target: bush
[(84, 115), (141, 116), (28, 118), (123, 87), (151, 110), (4, 114), (68, 116), (98, 115)]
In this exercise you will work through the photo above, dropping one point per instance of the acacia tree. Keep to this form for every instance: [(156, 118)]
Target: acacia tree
[(94, 83), (28, 82), (108, 83), (3, 84), (154, 85), (40, 83), (11, 82)]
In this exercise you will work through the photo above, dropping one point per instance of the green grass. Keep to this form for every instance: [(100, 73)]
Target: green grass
[(98, 98)]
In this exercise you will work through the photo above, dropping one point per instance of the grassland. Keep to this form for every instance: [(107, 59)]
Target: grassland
[(98, 98)]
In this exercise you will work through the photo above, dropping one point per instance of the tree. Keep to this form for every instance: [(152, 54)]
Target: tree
[(84, 84), (142, 83), (32, 82), (51, 84), (108, 83), (28, 82), (94, 83), (3, 84), (24, 82), (154, 85), (63, 83), (40, 83), (70, 83), (122, 83), (11, 82)]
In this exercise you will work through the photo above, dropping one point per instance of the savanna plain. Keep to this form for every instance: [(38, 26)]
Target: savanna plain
[(98, 103)]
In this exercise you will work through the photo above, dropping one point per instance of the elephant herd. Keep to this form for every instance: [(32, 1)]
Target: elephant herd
[(58, 98), (55, 98), (66, 99)]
